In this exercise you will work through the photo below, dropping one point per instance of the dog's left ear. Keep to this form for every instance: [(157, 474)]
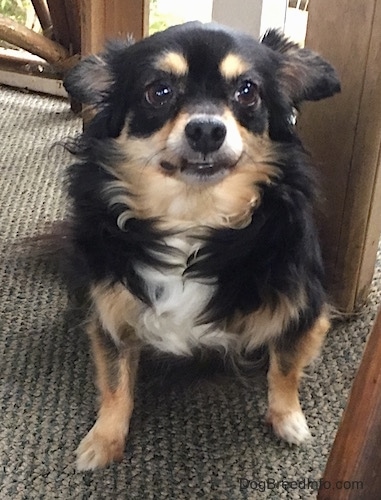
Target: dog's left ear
[(303, 74)]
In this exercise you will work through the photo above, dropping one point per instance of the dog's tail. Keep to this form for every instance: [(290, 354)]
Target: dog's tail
[(52, 247), (51, 240)]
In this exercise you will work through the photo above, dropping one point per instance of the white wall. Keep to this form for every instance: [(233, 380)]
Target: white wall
[(252, 16), (273, 14), (189, 10), (241, 14)]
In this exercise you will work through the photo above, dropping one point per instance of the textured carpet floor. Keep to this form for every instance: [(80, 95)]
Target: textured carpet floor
[(185, 442)]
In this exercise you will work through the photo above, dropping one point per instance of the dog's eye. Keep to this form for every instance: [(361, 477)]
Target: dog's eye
[(247, 93), (158, 94)]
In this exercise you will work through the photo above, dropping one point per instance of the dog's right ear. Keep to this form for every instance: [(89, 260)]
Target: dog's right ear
[(89, 80)]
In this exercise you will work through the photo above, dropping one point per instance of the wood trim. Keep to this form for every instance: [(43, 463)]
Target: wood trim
[(344, 136), (105, 19), (47, 85), (356, 452), (24, 63)]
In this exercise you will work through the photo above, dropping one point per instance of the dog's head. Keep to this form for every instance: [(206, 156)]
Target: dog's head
[(197, 103)]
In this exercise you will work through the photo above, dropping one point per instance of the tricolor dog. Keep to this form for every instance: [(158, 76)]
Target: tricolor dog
[(192, 213)]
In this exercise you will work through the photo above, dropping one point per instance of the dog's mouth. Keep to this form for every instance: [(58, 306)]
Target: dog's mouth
[(198, 170), (203, 168)]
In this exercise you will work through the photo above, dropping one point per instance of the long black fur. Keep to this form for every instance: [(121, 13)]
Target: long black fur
[(278, 252)]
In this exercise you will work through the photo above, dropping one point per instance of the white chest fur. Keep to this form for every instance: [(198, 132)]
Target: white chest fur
[(171, 324)]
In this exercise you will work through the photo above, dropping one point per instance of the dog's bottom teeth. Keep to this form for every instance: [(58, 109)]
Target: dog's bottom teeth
[(291, 427), (98, 450)]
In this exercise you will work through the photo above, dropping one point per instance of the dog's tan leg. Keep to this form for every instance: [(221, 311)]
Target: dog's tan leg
[(116, 368), (286, 369)]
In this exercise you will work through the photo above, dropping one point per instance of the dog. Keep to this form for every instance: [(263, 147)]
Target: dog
[(191, 213)]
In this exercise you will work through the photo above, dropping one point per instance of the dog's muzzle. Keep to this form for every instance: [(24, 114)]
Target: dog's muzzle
[(206, 149)]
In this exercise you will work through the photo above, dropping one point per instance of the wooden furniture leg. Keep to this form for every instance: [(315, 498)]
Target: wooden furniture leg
[(353, 471), (344, 136), (105, 19)]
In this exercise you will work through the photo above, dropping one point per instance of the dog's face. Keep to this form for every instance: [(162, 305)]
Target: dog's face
[(196, 104), (195, 99)]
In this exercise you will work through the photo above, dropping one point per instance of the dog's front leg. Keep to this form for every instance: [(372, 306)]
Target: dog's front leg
[(286, 369), (116, 367)]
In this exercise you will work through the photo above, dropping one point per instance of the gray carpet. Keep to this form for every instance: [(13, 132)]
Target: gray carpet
[(186, 442)]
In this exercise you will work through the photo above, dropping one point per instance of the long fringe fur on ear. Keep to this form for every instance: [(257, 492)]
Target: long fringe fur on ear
[(303, 74), (90, 79), (276, 40)]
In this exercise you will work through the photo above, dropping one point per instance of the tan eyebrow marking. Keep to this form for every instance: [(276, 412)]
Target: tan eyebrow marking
[(172, 62), (233, 66)]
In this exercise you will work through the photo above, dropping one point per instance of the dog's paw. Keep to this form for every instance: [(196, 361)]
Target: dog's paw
[(98, 450), (291, 427)]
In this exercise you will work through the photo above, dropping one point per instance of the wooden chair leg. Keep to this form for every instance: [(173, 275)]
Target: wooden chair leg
[(43, 15), (25, 38), (354, 465)]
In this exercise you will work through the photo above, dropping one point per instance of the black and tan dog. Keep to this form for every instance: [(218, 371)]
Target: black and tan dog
[(192, 222)]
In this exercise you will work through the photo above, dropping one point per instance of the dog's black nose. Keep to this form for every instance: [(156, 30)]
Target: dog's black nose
[(205, 135)]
